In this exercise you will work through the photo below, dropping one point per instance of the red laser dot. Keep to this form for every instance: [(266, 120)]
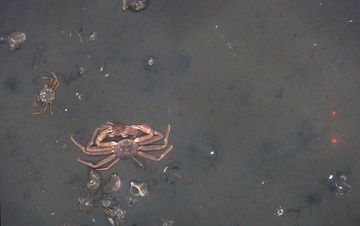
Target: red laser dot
[(334, 141), (333, 113)]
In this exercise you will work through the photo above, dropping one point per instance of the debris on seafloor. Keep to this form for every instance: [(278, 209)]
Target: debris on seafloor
[(338, 184), (115, 215), (92, 37), (139, 188), (86, 203), (106, 201), (113, 185), (173, 172), (150, 61), (174, 175), (14, 40), (131, 201), (135, 5), (164, 222), (94, 180)]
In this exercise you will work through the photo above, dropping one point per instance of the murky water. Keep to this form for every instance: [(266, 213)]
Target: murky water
[(255, 93)]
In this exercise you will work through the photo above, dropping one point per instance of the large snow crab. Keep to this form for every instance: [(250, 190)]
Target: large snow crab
[(121, 141)]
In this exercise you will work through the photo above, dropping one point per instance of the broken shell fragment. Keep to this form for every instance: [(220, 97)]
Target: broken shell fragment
[(15, 40), (139, 188), (135, 5), (106, 201), (113, 185), (92, 37), (94, 180), (150, 61), (81, 71)]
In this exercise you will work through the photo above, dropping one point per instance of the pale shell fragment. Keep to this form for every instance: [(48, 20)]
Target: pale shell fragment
[(113, 185), (94, 179), (111, 221), (135, 5), (15, 40), (139, 188), (150, 61), (92, 37)]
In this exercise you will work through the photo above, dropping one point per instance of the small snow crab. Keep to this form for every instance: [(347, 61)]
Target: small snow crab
[(47, 95)]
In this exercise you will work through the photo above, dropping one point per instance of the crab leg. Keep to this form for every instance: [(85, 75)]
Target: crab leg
[(50, 109), (138, 162), (37, 101), (152, 135), (92, 140), (110, 165), (101, 137), (55, 83), (42, 109), (155, 147), (112, 158), (93, 150), (97, 139), (154, 158)]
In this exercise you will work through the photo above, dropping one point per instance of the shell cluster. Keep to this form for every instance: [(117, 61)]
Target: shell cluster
[(93, 187), (95, 182)]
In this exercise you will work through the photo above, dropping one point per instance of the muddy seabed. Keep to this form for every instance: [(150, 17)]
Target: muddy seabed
[(262, 99)]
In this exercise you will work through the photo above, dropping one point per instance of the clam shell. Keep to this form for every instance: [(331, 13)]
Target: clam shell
[(113, 185), (139, 188), (92, 37)]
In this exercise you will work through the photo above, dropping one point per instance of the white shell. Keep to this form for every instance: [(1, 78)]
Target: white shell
[(139, 188), (113, 185), (111, 221), (92, 37), (15, 40), (150, 61)]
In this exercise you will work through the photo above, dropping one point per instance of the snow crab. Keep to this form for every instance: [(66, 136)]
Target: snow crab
[(129, 146)]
